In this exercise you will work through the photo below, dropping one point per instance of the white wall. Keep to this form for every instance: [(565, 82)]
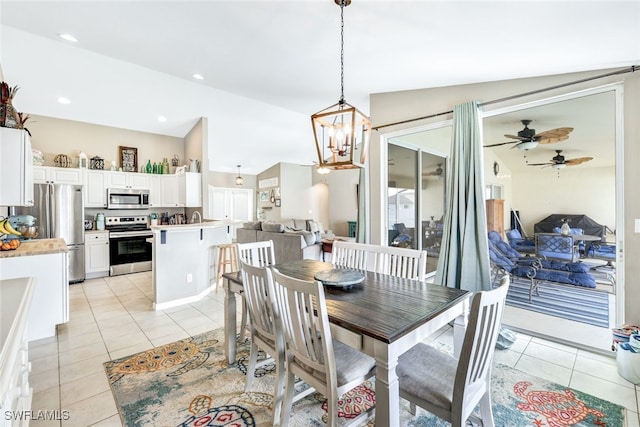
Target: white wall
[(543, 192), (342, 203)]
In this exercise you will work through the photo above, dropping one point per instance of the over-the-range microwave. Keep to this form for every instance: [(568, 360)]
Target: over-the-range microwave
[(127, 198)]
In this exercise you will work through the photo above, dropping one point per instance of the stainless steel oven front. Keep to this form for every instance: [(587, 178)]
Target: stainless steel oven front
[(129, 251)]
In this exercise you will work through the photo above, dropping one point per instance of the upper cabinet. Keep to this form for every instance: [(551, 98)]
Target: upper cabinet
[(48, 174), (137, 181), (182, 190), (95, 190), (16, 182)]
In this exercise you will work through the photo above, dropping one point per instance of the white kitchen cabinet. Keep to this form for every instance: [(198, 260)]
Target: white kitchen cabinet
[(155, 191), (50, 174), (15, 393), (50, 305), (96, 247), (136, 181), (16, 179), (170, 191), (95, 190), (192, 185)]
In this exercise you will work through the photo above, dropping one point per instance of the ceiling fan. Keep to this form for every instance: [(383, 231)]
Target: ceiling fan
[(528, 138), (558, 161), (438, 172)]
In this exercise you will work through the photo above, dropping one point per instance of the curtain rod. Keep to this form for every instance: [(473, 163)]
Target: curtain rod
[(631, 69)]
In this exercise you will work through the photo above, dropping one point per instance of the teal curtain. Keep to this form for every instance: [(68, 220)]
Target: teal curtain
[(363, 190), (464, 258)]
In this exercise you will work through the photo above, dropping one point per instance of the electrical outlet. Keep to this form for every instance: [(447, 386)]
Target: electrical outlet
[(189, 277)]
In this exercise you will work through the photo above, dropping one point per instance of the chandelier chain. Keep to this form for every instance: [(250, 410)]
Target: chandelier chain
[(342, 51)]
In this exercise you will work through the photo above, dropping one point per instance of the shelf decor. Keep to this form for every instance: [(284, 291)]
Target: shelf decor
[(128, 158)]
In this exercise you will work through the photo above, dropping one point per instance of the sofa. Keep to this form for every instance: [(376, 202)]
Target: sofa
[(291, 242)]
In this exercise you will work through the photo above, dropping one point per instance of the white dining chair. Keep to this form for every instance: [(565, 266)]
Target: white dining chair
[(329, 366), (360, 256), (258, 254), (402, 262), (451, 388), (266, 332)]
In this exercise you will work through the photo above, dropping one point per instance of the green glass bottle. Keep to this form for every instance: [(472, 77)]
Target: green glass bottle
[(148, 166), (165, 166)]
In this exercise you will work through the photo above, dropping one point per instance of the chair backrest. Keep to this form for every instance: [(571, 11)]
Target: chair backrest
[(258, 254), (401, 262), (551, 245), (476, 355), (302, 308), (261, 305), (360, 256)]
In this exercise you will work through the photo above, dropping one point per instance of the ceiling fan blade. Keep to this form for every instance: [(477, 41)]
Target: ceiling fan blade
[(540, 164), (502, 143), (554, 133), (577, 161), (516, 137), (552, 140)]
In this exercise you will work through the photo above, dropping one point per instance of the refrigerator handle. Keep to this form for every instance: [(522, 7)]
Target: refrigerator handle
[(50, 209)]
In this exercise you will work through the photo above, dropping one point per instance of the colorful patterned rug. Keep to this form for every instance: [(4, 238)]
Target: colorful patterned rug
[(189, 383)]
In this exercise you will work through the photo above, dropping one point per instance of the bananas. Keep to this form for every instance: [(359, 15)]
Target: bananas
[(7, 228)]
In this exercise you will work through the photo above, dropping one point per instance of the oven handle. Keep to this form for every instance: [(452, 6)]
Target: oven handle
[(141, 233)]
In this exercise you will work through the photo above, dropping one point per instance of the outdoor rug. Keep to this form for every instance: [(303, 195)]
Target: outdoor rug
[(568, 302), (189, 383)]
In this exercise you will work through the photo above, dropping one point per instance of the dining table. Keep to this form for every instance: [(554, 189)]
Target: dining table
[(388, 314)]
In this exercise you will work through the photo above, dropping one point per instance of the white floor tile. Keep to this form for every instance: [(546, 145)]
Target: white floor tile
[(633, 420), (551, 354), (603, 389), (83, 388), (82, 369), (600, 369), (544, 369), (91, 410)]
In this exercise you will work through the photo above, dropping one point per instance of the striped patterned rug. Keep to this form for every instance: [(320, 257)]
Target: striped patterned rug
[(568, 302)]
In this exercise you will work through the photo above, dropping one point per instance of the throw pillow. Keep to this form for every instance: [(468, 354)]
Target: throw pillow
[(273, 227), (300, 224)]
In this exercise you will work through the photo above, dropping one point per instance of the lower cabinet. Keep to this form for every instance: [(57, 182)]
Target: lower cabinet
[(96, 247)]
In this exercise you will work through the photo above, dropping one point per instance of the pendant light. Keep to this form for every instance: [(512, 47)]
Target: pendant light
[(341, 131), (239, 178)]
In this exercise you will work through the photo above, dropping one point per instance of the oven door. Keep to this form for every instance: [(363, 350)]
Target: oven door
[(129, 252)]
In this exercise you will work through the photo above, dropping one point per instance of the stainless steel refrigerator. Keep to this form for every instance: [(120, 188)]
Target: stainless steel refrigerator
[(59, 211)]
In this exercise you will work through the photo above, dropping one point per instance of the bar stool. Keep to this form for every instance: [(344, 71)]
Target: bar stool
[(227, 261)]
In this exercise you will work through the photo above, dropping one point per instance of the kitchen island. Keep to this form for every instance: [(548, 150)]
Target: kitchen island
[(46, 261), (183, 269)]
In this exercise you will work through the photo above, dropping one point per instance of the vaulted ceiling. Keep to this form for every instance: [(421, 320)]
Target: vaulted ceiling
[(268, 65)]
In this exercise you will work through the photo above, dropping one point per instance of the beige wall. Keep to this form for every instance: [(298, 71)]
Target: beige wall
[(340, 203), (57, 136), (391, 107)]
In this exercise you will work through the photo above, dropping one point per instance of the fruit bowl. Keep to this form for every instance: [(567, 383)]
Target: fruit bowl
[(9, 244)]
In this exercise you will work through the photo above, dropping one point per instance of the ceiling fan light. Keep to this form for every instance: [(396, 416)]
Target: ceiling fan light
[(559, 166), (525, 146)]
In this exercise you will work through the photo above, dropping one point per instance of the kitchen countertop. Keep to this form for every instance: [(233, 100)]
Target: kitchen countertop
[(37, 247), (195, 226)]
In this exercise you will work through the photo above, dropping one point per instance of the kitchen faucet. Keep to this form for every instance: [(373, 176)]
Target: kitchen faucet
[(193, 215)]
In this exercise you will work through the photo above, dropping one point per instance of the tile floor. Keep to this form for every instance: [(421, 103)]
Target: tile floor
[(113, 317)]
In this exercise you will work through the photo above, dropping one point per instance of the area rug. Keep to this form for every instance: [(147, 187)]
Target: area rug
[(568, 302), (189, 383)]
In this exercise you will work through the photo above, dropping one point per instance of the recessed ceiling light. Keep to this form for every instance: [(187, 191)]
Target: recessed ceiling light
[(162, 119), (68, 37), (198, 76), (63, 100)]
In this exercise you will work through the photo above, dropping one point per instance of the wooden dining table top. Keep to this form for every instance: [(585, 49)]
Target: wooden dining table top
[(383, 307)]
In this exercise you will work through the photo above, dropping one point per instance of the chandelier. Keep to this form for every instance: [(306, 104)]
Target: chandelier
[(341, 131), (239, 178)]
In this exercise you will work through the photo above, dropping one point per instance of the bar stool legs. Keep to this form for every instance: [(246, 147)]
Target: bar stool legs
[(227, 261)]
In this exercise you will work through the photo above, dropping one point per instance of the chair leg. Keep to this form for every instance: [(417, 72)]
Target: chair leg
[(278, 395), (485, 410), (244, 322), (251, 369), (287, 403), (332, 409)]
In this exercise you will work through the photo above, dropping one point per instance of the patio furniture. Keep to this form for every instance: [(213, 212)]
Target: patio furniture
[(519, 243)]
